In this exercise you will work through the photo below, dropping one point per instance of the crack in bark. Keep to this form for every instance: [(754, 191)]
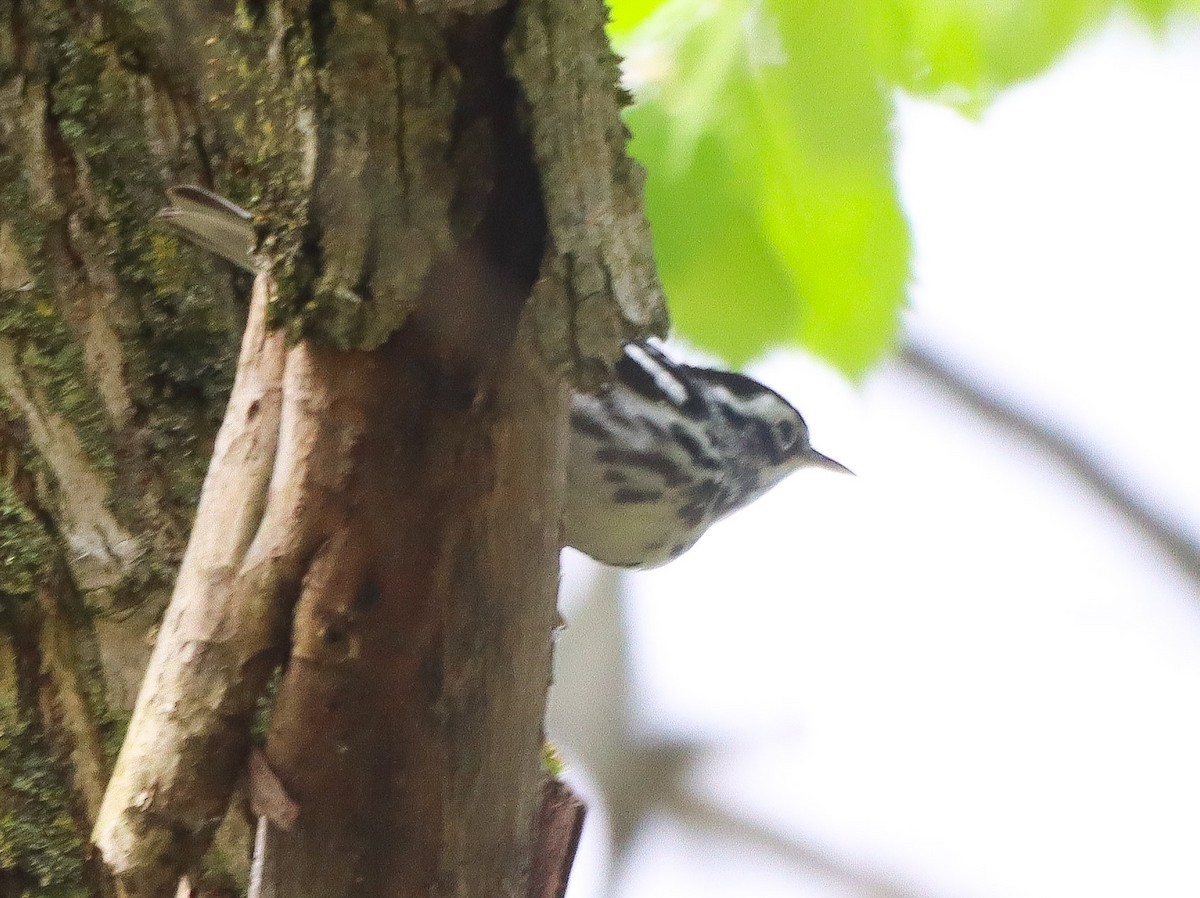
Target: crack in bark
[(101, 551), (476, 461), (596, 222), (86, 283)]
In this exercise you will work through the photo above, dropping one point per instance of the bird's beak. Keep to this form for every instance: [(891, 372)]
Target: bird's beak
[(817, 460)]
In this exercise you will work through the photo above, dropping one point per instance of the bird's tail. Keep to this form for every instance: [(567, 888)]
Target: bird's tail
[(212, 223)]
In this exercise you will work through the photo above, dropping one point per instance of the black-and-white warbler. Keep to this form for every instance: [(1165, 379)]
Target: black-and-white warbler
[(657, 456)]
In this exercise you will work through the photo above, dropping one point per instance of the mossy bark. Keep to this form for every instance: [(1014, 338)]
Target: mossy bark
[(443, 194)]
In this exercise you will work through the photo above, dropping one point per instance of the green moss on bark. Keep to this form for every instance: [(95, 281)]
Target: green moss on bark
[(30, 318), (183, 352), (26, 551), (171, 311), (260, 85), (178, 354), (40, 846)]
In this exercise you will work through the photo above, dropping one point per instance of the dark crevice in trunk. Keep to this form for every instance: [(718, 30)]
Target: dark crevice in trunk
[(506, 247)]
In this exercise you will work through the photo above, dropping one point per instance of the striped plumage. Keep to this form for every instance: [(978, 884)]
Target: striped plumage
[(656, 456), (667, 449)]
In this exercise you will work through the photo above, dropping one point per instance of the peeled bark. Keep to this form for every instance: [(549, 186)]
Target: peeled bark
[(223, 633), (456, 238), (408, 725)]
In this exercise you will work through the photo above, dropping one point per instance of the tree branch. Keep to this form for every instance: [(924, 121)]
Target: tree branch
[(797, 852), (396, 481), (1084, 461), (222, 634)]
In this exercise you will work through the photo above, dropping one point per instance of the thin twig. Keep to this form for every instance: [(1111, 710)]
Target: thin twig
[(1085, 462), (854, 877)]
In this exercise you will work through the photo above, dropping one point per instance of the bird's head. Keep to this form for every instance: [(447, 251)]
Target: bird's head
[(771, 428)]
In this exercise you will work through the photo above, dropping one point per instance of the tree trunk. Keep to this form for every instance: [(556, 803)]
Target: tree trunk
[(456, 240)]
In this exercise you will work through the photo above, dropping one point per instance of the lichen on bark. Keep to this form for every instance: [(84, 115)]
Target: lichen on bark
[(128, 348), (41, 852), (380, 157), (408, 189), (29, 313), (257, 81), (352, 179), (599, 287), (26, 550)]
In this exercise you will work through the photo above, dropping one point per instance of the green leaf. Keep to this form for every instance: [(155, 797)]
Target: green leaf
[(626, 15), (825, 160), (1156, 13), (764, 128), (962, 53), (729, 290)]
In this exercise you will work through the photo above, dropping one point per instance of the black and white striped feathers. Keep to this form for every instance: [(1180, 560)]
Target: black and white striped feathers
[(667, 449), (656, 457)]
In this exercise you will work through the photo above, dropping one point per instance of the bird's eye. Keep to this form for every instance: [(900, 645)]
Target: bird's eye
[(785, 433)]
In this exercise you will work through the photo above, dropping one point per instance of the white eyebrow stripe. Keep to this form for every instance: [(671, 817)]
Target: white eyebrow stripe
[(663, 379)]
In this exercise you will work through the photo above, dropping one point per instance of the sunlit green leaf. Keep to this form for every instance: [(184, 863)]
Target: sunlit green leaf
[(764, 127), (824, 163), (765, 131), (729, 290), (1159, 12), (626, 15), (963, 52)]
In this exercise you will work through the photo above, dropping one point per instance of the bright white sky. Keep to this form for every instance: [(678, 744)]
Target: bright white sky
[(992, 688)]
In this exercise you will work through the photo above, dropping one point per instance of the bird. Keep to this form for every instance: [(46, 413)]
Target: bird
[(656, 455)]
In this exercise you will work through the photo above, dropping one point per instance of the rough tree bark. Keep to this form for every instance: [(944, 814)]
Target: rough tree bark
[(456, 240)]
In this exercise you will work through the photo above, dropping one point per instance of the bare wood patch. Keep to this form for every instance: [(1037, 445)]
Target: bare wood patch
[(189, 732)]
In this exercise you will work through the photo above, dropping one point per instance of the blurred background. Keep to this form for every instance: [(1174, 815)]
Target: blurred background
[(974, 669)]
